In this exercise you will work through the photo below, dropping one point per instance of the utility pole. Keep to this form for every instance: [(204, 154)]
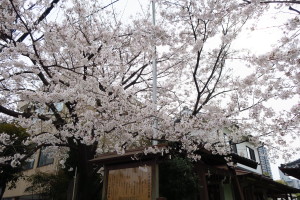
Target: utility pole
[(154, 83), (154, 99)]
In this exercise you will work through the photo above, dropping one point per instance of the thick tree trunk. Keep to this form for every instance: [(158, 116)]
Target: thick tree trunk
[(2, 188), (88, 183)]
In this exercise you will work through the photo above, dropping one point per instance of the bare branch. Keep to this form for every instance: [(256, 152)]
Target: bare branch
[(288, 2), (41, 18), (293, 9)]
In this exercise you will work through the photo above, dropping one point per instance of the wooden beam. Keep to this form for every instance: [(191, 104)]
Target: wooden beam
[(237, 187), (203, 190)]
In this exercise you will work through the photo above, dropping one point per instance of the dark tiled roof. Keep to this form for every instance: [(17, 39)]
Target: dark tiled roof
[(291, 169), (294, 164)]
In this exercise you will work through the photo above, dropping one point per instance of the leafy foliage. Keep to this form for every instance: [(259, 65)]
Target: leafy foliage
[(49, 186), (13, 144), (177, 179)]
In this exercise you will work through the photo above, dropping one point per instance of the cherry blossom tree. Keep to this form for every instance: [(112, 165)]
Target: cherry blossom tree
[(77, 76)]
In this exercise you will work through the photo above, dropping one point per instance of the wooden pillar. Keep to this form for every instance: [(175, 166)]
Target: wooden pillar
[(155, 183), (203, 190), (105, 181), (237, 187)]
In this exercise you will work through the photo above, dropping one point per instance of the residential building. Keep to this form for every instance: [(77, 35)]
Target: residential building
[(258, 154), (249, 151), (40, 162)]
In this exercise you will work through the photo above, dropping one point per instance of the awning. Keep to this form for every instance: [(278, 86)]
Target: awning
[(138, 154), (128, 156)]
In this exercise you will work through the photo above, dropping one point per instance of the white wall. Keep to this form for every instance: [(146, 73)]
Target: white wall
[(242, 151)]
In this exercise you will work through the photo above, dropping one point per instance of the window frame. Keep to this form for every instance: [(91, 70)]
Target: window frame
[(28, 164), (250, 153), (44, 160)]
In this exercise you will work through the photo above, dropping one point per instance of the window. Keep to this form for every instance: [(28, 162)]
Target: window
[(251, 153), (45, 158), (233, 148), (28, 164)]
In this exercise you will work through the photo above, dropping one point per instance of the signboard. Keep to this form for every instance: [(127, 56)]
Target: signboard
[(130, 184)]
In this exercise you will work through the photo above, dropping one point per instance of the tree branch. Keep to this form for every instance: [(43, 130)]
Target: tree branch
[(41, 18), (289, 2), (293, 9)]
